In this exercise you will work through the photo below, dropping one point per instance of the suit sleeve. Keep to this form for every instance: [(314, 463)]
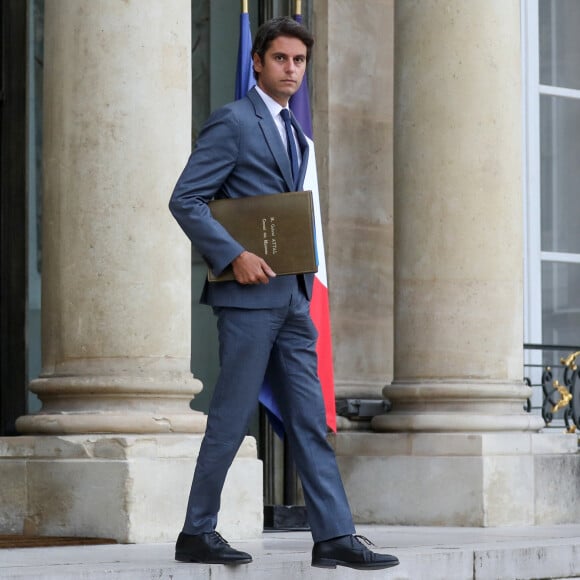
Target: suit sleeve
[(213, 159)]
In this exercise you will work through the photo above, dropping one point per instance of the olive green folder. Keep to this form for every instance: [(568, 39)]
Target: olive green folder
[(277, 227)]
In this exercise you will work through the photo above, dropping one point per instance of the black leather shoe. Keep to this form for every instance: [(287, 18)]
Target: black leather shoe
[(349, 551), (209, 548)]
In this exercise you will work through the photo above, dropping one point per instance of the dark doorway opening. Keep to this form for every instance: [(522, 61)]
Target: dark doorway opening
[(12, 213)]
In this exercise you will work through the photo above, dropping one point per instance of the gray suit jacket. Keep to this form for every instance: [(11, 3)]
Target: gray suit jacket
[(239, 152)]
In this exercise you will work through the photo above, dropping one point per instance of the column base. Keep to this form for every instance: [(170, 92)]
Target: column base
[(351, 389), (124, 395), (456, 406), (132, 488), (461, 479)]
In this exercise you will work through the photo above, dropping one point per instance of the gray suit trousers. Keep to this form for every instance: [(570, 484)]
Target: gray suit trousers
[(278, 343)]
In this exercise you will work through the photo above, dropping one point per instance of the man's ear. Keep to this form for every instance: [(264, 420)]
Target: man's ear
[(257, 62)]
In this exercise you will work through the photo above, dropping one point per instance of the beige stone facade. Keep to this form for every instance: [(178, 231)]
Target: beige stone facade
[(417, 119), (429, 259)]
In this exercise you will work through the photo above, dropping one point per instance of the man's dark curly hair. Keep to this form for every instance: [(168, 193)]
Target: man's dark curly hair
[(281, 26)]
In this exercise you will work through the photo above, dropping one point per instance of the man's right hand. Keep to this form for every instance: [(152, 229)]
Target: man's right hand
[(251, 269)]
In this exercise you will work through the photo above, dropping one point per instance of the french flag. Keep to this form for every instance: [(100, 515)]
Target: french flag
[(319, 306)]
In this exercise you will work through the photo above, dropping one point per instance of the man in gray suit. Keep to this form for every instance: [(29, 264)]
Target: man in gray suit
[(263, 320)]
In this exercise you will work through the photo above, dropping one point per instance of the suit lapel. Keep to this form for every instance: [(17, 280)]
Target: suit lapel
[(272, 138)]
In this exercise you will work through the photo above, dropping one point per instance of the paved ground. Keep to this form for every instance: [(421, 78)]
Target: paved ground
[(425, 553)]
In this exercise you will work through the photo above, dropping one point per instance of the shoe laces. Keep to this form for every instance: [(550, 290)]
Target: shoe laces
[(364, 539), (219, 538)]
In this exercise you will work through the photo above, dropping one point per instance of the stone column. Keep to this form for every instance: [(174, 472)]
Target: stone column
[(115, 269), (458, 229), (116, 285), (457, 447), (353, 91)]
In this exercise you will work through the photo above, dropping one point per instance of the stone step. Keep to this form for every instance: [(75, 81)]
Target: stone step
[(523, 553)]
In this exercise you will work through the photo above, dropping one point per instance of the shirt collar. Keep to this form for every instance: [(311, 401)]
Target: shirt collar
[(273, 106)]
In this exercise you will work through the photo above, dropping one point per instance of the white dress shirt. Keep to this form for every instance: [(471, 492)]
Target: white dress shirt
[(274, 107)]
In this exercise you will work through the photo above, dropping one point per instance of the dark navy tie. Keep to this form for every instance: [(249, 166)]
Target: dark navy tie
[(291, 144)]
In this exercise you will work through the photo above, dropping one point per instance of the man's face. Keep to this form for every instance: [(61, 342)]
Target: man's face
[(282, 69)]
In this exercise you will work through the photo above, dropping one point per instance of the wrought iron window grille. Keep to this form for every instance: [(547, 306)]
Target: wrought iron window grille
[(560, 387)]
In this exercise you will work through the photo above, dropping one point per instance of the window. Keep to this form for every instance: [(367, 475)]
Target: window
[(552, 171)]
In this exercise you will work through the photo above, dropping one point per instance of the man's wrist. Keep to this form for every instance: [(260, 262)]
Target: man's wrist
[(239, 256)]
